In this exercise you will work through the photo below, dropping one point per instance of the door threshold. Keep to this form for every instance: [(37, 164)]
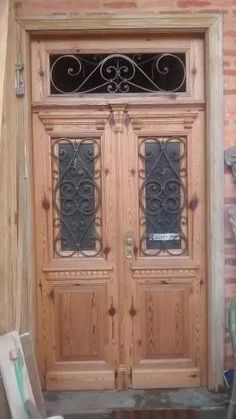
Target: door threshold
[(219, 413), (100, 404)]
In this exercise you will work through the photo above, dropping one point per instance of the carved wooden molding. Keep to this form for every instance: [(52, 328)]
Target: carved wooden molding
[(118, 118), (156, 273), (185, 119), (189, 120), (230, 160), (62, 275), (108, 23), (98, 119)]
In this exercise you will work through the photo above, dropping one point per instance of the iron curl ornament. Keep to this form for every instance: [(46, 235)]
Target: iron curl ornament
[(76, 197), (163, 196), (117, 73)]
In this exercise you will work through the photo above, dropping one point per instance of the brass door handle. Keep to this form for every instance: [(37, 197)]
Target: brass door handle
[(129, 244)]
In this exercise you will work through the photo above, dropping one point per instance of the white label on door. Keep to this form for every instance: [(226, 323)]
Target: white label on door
[(164, 236)]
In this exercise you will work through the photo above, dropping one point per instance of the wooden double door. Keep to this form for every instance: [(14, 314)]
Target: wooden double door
[(120, 233)]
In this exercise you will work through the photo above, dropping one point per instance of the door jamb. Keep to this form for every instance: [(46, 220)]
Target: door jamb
[(211, 25)]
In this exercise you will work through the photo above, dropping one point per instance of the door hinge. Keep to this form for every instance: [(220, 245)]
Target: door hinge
[(20, 80)]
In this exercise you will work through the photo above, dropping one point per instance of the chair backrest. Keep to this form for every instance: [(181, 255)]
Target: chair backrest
[(31, 367), (232, 326)]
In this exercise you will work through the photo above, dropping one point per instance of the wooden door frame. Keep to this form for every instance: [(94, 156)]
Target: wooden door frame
[(211, 25)]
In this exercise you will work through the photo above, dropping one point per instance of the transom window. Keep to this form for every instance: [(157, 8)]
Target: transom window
[(117, 73)]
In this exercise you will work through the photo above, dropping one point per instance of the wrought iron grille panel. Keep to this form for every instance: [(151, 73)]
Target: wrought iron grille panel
[(117, 73), (76, 197), (163, 196)]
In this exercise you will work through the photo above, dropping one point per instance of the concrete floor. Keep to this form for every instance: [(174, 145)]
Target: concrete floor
[(208, 414), (100, 404)]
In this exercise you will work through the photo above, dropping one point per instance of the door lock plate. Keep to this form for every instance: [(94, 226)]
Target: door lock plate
[(129, 245)]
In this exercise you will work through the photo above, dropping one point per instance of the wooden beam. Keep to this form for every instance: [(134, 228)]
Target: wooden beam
[(215, 201), (4, 15), (8, 196), (194, 23), (25, 299), (16, 224)]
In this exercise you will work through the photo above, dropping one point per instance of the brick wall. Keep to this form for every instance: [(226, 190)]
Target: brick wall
[(228, 9)]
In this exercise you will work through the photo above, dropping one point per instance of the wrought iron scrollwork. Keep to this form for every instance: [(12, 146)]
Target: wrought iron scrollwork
[(117, 73), (76, 197), (162, 196)]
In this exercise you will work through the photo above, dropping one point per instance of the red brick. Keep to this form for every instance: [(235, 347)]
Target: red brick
[(59, 7), (230, 34), (226, 3), (230, 291), (231, 280), (229, 72), (119, 4), (230, 261), (229, 241), (230, 52), (193, 3), (227, 338), (228, 347), (229, 91), (155, 4), (222, 11), (230, 201)]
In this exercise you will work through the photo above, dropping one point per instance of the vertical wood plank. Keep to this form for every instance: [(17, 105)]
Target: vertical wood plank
[(8, 197), (25, 303), (4, 15), (16, 250), (215, 198)]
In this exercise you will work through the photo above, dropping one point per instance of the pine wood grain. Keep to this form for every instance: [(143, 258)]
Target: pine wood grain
[(163, 344)]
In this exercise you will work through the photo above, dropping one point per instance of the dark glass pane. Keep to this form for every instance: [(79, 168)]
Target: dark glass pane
[(117, 73), (162, 196), (77, 197), (162, 193)]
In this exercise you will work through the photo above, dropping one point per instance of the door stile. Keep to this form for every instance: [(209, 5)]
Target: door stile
[(199, 200), (130, 206), (109, 205), (118, 126), (41, 225)]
